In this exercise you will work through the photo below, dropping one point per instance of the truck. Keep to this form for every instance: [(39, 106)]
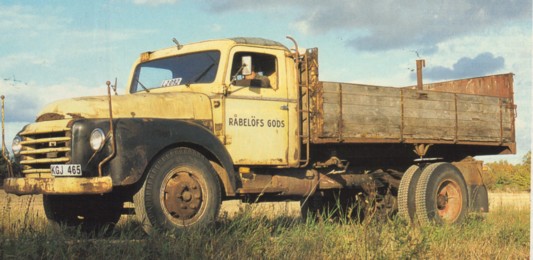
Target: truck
[(248, 118)]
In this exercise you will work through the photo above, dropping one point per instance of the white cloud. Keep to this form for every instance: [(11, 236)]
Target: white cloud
[(216, 27), (19, 59), (24, 100), (384, 25), (301, 26), (27, 22), (154, 2)]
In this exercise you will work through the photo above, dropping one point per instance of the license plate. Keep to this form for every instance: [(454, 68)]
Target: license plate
[(66, 169)]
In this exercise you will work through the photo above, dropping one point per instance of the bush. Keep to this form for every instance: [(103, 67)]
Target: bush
[(504, 176)]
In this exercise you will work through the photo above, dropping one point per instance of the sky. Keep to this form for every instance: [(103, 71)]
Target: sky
[(53, 49)]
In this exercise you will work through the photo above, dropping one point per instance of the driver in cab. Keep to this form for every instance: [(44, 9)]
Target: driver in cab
[(254, 79)]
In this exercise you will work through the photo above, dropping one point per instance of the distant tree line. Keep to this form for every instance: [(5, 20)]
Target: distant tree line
[(504, 176)]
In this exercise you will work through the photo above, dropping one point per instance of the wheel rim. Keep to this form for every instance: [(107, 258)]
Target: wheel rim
[(449, 201), (182, 197)]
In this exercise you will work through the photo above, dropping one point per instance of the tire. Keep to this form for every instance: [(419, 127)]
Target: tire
[(92, 213), (406, 193), (441, 195), (181, 190)]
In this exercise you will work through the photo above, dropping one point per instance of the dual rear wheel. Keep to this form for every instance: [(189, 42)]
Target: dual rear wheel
[(436, 193)]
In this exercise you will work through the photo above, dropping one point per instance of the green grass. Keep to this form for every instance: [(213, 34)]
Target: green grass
[(502, 234)]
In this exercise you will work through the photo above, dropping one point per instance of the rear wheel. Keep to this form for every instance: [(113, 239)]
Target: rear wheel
[(181, 190), (441, 195), (406, 193)]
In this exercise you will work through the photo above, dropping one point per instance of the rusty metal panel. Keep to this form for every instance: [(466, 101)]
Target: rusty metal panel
[(495, 86)]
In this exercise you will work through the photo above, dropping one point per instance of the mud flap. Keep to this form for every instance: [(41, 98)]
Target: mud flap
[(479, 198)]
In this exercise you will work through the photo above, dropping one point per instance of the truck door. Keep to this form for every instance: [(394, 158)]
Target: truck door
[(257, 110)]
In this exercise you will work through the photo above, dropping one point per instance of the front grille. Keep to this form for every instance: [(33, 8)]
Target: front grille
[(40, 150)]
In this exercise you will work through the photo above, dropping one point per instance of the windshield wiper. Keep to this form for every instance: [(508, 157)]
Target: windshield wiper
[(200, 75), (142, 86)]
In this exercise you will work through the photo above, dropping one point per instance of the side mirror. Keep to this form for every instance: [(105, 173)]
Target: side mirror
[(246, 65)]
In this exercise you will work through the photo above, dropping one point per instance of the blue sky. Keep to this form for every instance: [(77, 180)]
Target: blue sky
[(58, 49)]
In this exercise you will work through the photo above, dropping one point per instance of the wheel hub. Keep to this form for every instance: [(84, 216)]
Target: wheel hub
[(182, 196), (442, 200), (449, 201)]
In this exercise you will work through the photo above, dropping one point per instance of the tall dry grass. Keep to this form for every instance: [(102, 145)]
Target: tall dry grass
[(502, 234)]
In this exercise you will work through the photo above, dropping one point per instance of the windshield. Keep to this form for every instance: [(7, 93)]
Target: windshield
[(174, 71)]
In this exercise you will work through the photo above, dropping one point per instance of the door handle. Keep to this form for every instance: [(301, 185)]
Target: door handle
[(284, 107)]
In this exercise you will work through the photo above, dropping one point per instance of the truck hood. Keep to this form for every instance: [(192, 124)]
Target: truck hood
[(142, 105)]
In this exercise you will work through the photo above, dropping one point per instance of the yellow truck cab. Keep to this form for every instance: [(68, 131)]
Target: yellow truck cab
[(248, 118)]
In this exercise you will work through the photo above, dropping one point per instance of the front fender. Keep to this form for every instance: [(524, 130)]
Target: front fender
[(140, 140)]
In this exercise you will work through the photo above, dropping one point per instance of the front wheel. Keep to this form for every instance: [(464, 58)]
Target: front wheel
[(181, 190), (441, 195)]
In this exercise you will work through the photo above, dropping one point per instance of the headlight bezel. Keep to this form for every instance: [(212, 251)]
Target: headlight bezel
[(16, 146), (97, 139)]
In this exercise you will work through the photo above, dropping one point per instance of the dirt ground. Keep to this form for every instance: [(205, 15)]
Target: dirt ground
[(20, 205)]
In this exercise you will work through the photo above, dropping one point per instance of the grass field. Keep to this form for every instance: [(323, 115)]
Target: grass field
[(273, 231)]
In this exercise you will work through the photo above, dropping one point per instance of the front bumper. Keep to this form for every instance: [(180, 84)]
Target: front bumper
[(58, 186)]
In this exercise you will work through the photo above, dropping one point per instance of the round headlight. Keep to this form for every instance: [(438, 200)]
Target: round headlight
[(97, 140), (16, 147)]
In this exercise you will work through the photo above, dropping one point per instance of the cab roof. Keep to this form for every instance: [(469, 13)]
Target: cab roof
[(210, 44), (257, 41)]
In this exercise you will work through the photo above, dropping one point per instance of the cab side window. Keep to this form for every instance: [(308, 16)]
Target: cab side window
[(263, 71)]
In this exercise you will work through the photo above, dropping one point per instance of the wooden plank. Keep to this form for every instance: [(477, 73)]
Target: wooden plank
[(330, 87), (478, 134), (374, 111), (426, 114), (463, 106), (444, 134), (492, 118), (428, 123), (433, 132), (361, 90), (331, 117), (368, 90), (371, 131), (428, 104), (473, 99), (478, 124), (478, 139), (379, 101), (331, 98), (428, 96), (369, 119), (506, 120)]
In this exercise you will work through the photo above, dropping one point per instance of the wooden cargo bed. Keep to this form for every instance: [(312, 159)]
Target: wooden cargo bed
[(477, 111)]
